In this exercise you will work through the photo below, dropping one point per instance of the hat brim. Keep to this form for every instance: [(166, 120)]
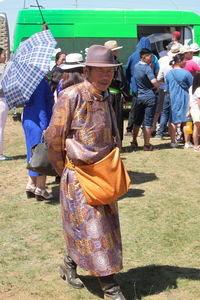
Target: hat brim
[(95, 64), (171, 54), (69, 67), (113, 49), (187, 51), (196, 50)]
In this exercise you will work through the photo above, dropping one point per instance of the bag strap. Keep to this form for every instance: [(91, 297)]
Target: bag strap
[(178, 82)]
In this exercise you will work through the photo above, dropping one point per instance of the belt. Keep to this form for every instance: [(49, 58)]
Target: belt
[(69, 164), (114, 91)]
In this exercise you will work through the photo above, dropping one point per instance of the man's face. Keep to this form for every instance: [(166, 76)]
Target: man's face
[(100, 77), (147, 58), (61, 60)]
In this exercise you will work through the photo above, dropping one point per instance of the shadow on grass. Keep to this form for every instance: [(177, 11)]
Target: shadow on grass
[(18, 157), (128, 149), (167, 146), (145, 281), (133, 193), (140, 177)]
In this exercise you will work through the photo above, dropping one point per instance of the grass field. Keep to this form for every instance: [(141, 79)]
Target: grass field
[(160, 223)]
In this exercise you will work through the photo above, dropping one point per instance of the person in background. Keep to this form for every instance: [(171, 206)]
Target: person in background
[(3, 106), (194, 109), (190, 65), (72, 71), (36, 116), (119, 88), (56, 73), (145, 104), (164, 102), (59, 60), (178, 82), (196, 49), (132, 61), (176, 37), (82, 127), (54, 80)]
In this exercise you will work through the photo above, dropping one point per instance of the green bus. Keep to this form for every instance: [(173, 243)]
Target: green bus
[(76, 29)]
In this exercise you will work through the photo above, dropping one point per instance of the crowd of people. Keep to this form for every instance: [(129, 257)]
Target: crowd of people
[(160, 87), (79, 110)]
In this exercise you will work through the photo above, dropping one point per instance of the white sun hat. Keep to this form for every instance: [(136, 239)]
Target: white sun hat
[(175, 49), (195, 47), (112, 45), (186, 49), (73, 60)]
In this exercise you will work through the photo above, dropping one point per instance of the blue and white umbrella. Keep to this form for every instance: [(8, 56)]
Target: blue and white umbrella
[(27, 67)]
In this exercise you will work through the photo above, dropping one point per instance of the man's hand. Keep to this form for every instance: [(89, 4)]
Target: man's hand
[(45, 27)]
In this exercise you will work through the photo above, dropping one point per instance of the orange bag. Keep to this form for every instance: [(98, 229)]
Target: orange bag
[(104, 181)]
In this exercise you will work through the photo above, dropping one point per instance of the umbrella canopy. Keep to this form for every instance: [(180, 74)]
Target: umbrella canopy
[(157, 37), (27, 67)]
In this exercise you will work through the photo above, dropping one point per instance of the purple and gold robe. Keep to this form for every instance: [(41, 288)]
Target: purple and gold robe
[(81, 127)]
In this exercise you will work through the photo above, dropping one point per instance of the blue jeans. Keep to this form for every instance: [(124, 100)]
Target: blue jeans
[(164, 116)]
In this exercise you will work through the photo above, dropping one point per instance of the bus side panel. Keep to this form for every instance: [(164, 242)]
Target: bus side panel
[(196, 29)]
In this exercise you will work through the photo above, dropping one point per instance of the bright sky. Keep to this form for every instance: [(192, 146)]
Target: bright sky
[(11, 7)]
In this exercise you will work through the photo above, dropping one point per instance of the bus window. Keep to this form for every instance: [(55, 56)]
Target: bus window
[(145, 30), (188, 35)]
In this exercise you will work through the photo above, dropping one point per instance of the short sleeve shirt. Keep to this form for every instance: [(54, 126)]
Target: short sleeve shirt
[(143, 74), (194, 97), (192, 67)]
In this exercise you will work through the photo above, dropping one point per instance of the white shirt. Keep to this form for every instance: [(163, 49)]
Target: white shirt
[(194, 97), (164, 68)]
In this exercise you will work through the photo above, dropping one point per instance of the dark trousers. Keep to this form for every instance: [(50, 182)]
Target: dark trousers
[(129, 127), (164, 116), (118, 108)]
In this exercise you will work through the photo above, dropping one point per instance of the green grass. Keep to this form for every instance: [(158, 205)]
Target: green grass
[(159, 223)]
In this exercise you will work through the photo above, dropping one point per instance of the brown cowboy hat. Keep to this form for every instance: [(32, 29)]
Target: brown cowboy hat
[(100, 56)]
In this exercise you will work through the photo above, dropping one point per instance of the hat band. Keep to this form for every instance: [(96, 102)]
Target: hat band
[(72, 63), (100, 61)]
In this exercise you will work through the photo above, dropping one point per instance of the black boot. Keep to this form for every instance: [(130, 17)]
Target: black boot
[(68, 272), (111, 288)]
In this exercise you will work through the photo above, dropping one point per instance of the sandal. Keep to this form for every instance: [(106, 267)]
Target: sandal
[(30, 190), (149, 147), (134, 144), (41, 194)]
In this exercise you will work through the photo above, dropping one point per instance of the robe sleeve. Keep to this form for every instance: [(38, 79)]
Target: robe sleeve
[(59, 128)]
